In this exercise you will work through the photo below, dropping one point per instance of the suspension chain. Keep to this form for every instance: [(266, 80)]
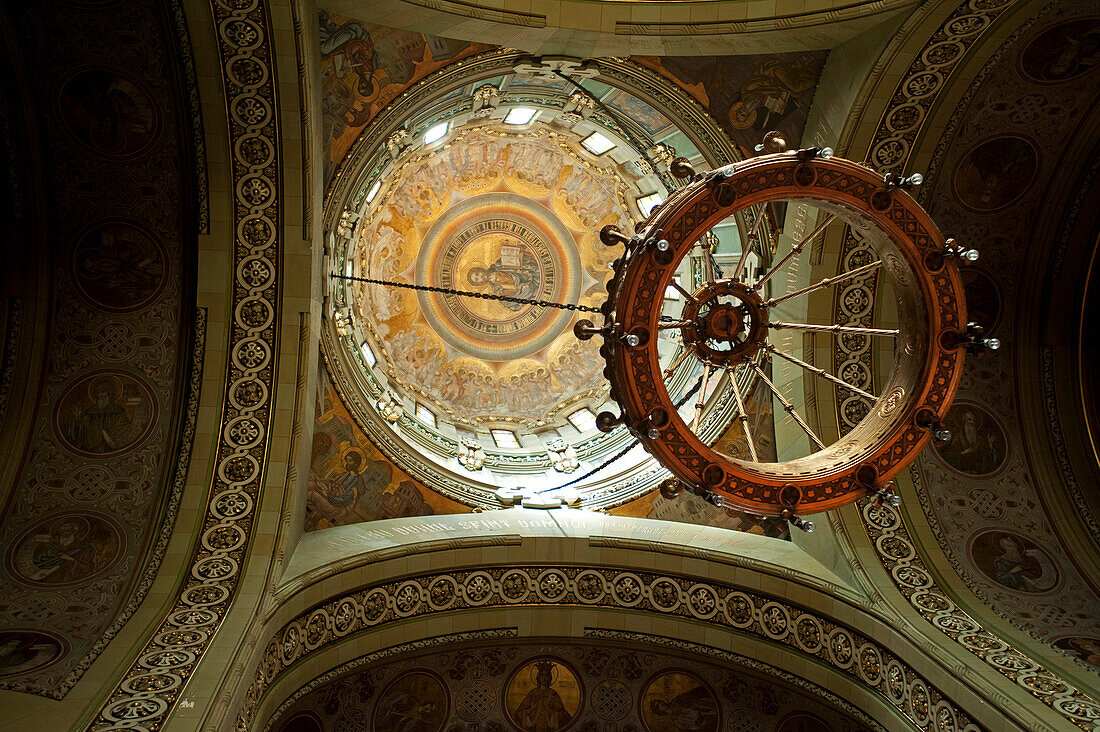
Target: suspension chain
[(464, 293)]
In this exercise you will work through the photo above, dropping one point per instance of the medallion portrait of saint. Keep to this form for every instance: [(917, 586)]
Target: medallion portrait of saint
[(108, 113), (1064, 52), (995, 173), (1082, 648), (22, 651), (1014, 561), (119, 267), (413, 702), (543, 695), (677, 701), (977, 445), (515, 273), (66, 549), (104, 414)]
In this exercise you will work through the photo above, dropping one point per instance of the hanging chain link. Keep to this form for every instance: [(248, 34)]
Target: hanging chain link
[(464, 293)]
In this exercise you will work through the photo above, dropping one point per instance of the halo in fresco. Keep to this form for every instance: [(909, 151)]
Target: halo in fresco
[(498, 244), (105, 413), (66, 549)]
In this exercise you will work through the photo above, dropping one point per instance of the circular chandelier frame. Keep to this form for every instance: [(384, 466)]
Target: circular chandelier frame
[(929, 350)]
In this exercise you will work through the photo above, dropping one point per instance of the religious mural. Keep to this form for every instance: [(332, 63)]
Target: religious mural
[(364, 67), (983, 187), (413, 702), (351, 481), (532, 686), (748, 95), (543, 695), (80, 537), (679, 701), (978, 445), (505, 215)]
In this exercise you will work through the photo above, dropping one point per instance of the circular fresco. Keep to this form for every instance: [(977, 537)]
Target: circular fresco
[(679, 701), (995, 173), (416, 700), (543, 694), (1083, 648), (65, 549), (1066, 51), (109, 113), (505, 245), (23, 651), (1013, 561), (119, 267), (105, 413), (978, 445)]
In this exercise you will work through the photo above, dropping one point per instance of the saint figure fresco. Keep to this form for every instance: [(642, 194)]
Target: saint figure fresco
[(1014, 561), (543, 696), (515, 273)]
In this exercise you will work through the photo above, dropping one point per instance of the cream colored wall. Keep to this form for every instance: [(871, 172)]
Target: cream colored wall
[(594, 28)]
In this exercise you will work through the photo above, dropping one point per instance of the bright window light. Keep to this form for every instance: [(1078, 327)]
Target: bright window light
[(520, 116), (425, 415), (349, 268), (368, 354), (374, 190), (505, 438), (647, 203), (437, 133), (597, 144), (583, 419), (671, 293)]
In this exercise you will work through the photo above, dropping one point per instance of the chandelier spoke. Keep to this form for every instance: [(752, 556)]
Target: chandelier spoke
[(675, 364), (828, 282), (740, 268), (743, 418), (820, 372), (702, 399), (893, 333), (787, 406), (795, 251)]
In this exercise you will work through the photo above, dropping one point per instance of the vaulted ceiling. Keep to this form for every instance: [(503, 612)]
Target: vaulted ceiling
[(209, 522)]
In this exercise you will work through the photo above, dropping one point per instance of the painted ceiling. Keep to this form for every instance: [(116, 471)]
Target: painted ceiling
[(504, 214)]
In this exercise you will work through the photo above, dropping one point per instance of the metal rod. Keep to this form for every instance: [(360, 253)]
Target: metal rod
[(674, 324), (702, 399), (836, 329), (820, 372), (827, 282), (748, 243), (676, 364), (795, 250), (743, 417), (787, 405), (687, 295)]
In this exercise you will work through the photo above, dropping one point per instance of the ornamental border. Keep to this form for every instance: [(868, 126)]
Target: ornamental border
[(861, 658), (154, 681)]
